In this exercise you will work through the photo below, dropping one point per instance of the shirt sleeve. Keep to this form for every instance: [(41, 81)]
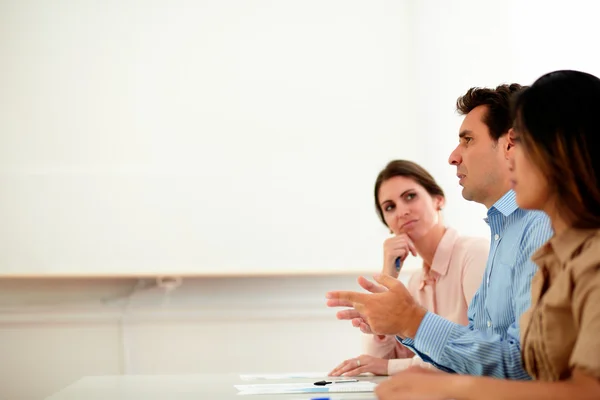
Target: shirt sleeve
[(586, 309), (463, 349)]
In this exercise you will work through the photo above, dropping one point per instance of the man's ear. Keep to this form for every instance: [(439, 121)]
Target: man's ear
[(509, 144)]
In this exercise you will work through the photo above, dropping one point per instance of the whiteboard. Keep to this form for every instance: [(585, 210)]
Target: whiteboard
[(198, 137)]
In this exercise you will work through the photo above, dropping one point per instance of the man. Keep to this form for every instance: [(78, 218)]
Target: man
[(489, 345)]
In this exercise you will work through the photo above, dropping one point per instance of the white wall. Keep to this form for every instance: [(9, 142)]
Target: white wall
[(198, 137)]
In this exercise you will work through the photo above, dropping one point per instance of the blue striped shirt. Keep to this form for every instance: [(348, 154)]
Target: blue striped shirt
[(489, 345)]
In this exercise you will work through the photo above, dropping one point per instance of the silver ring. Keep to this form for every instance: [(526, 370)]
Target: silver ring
[(357, 362)]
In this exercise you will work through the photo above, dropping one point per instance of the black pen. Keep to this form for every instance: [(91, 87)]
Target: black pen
[(323, 383)]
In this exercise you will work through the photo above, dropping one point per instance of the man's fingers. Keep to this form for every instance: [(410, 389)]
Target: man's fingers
[(370, 286), (353, 297), (365, 328), (386, 280), (365, 283), (348, 314), (339, 303)]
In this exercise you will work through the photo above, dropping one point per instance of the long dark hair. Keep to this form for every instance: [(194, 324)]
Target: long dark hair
[(558, 118)]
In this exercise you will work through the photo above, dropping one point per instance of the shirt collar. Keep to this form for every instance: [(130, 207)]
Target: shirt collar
[(443, 253), (505, 205), (564, 245)]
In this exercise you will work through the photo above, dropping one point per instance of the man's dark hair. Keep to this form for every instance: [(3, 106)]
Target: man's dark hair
[(498, 102)]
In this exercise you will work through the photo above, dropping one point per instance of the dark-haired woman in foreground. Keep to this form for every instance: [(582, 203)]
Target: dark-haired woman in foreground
[(555, 165)]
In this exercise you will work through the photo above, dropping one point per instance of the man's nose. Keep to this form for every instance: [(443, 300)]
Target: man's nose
[(455, 158)]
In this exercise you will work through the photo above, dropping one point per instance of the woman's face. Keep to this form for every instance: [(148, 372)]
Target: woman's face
[(530, 185), (407, 207)]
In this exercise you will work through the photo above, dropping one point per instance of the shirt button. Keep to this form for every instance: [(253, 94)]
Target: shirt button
[(496, 236), (489, 324)]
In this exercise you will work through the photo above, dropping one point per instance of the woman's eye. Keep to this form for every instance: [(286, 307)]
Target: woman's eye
[(389, 208), (410, 196)]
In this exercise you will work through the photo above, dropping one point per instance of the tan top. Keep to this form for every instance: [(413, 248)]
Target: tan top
[(445, 289), (561, 330)]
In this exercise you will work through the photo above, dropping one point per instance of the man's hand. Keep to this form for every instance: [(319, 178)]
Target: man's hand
[(388, 310), (358, 321)]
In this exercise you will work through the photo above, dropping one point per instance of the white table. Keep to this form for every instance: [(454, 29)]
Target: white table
[(183, 387)]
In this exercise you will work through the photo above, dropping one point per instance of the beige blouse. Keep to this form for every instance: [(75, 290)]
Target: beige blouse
[(445, 289), (561, 330)]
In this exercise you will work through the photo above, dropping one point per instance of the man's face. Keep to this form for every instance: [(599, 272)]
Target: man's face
[(480, 162)]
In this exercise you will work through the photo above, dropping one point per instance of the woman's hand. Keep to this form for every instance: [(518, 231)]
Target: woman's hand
[(416, 383), (399, 246), (361, 364)]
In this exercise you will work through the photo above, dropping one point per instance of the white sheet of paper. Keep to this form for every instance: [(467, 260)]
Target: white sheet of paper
[(361, 386), (291, 375)]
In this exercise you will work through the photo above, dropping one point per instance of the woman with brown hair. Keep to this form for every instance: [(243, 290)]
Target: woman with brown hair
[(409, 202), (555, 165)]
